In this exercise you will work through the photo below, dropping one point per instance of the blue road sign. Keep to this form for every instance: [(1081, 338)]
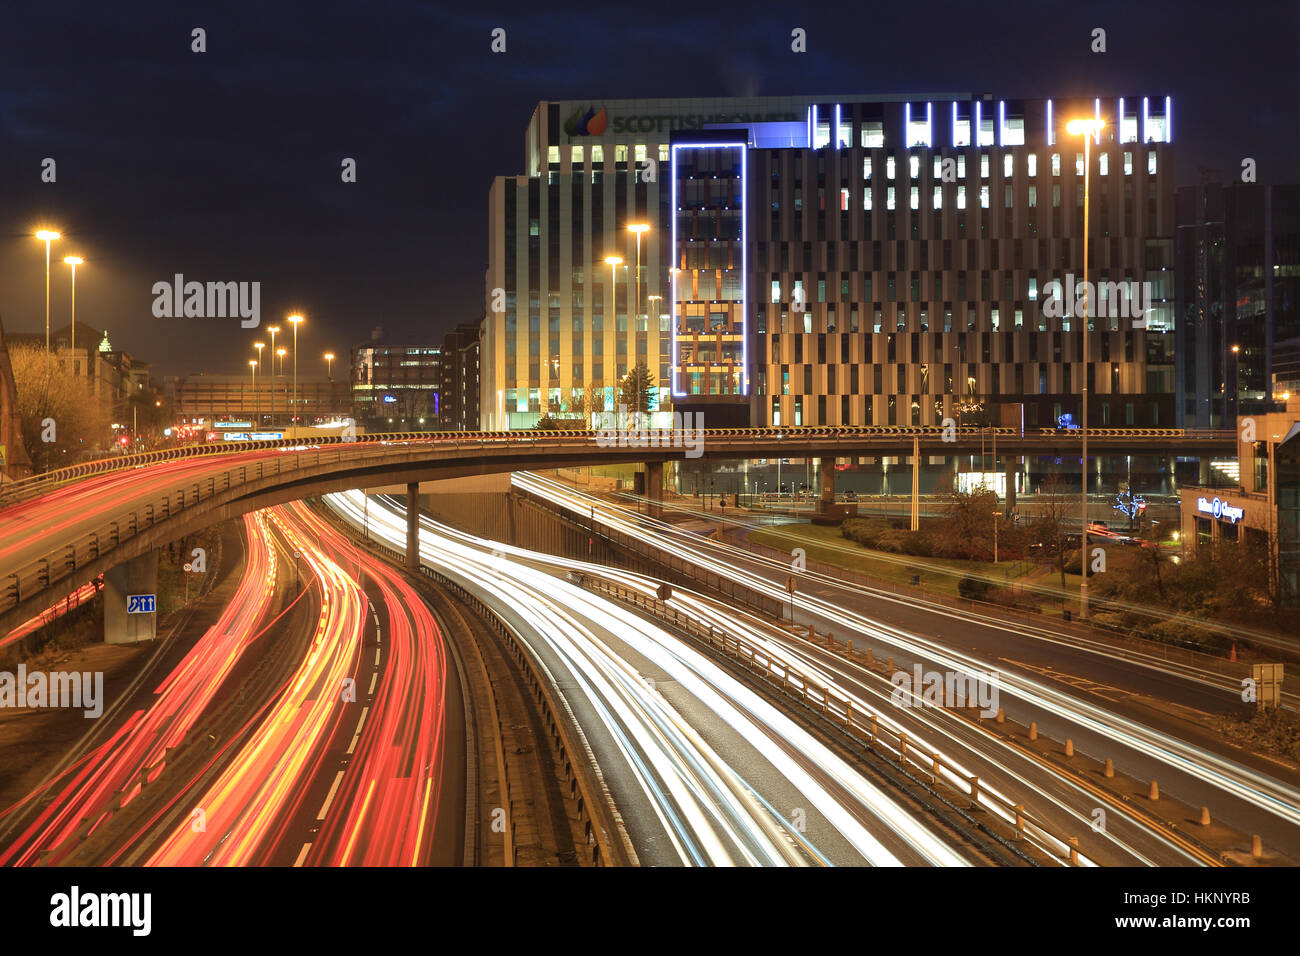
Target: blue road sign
[(140, 603)]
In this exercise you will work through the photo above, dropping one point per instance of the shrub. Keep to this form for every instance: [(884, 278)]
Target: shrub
[(974, 589)]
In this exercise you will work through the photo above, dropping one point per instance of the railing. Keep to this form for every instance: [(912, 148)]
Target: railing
[(41, 484), (865, 727)]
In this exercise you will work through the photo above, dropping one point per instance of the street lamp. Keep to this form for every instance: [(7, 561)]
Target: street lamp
[(614, 262), (257, 410), (295, 319), (74, 261), (1087, 128), (638, 228), (329, 365), (281, 352), (47, 236), (274, 329), (252, 364)]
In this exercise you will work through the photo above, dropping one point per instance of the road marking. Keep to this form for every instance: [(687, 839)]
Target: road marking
[(302, 855), (338, 778), (357, 736), (374, 679)]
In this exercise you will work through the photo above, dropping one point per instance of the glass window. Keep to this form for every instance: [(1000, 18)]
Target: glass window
[(597, 153), (984, 165), (1056, 164), (1008, 165), (889, 168), (1031, 164), (1151, 162), (873, 134), (914, 166), (938, 197), (1103, 164), (552, 154), (1128, 163)]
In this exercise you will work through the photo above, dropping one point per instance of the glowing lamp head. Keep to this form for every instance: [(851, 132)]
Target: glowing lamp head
[(47, 235), (1085, 127), (1236, 348), (74, 260), (613, 260), (273, 329), (638, 227), (252, 363), (282, 352), (329, 356), (295, 319), (259, 346)]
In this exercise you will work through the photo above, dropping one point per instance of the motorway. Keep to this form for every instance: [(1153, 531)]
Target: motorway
[(703, 770), (1109, 707)]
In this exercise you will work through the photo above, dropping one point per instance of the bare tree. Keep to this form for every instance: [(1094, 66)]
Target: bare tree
[(1049, 528), (970, 518), (62, 422)]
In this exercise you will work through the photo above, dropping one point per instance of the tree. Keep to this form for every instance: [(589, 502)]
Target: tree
[(1049, 528), (635, 391), (62, 421), (970, 518)]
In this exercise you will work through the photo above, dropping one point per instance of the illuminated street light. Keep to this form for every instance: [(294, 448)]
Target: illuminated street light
[(252, 364), (329, 365), (274, 330), (74, 261), (614, 262), (47, 236), (256, 406), (1087, 128), (296, 320), (638, 228)]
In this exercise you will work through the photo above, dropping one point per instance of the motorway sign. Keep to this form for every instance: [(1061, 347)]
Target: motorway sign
[(140, 603)]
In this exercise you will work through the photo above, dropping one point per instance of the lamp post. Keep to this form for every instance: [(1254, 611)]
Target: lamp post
[(296, 320), (252, 364), (1087, 128), (614, 262), (638, 228), (274, 330), (329, 365), (47, 236), (74, 261), (257, 410), (280, 353)]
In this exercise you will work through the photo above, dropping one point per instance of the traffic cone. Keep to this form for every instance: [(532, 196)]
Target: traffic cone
[(1232, 656)]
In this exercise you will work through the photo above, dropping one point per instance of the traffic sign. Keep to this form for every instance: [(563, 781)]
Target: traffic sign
[(141, 603)]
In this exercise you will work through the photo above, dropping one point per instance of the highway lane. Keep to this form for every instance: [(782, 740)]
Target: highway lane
[(703, 770), (1197, 768)]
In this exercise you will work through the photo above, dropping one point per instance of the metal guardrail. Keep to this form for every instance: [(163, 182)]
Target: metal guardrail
[(41, 484), (864, 726)]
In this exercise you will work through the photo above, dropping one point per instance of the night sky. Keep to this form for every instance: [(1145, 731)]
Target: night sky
[(225, 165)]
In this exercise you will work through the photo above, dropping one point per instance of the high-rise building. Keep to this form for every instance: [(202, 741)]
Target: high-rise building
[(827, 260), (396, 387), (460, 377), (1238, 300)]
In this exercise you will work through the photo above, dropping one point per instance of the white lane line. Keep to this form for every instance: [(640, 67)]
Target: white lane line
[(338, 778)]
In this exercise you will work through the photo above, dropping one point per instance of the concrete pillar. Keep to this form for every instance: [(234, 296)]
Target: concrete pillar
[(413, 526), (654, 488), (826, 472), (139, 576)]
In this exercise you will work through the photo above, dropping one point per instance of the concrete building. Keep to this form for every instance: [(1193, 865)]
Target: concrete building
[(210, 398), (460, 377), (396, 387), (857, 260), (1237, 300), (14, 462)]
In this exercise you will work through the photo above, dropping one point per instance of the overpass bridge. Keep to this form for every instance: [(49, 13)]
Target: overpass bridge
[(63, 529)]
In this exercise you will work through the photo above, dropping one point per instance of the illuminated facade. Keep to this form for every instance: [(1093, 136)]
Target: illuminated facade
[(853, 260)]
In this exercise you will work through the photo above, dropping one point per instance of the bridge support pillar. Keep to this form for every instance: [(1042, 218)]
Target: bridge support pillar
[(826, 473), (123, 623), (654, 488), (1009, 469), (413, 526)]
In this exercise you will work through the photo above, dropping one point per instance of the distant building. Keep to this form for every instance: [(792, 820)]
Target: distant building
[(212, 398), (460, 377), (1237, 250), (396, 387)]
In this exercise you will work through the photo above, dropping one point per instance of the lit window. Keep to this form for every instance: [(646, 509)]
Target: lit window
[(1013, 131), (1008, 165), (639, 153), (776, 290), (996, 318), (663, 154), (552, 154), (938, 167), (822, 134), (889, 167), (961, 167), (1128, 129), (1103, 164), (984, 197), (986, 129), (918, 126), (1128, 163), (915, 199), (598, 153), (866, 198), (938, 197), (577, 156), (1078, 164), (620, 153), (873, 134), (1031, 164), (866, 167), (844, 200), (1020, 318), (913, 166), (1033, 196), (1151, 161), (889, 198), (961, 197), (960, 129), (1033, 293), (1006, 197), (984, 165), (1056, 164)]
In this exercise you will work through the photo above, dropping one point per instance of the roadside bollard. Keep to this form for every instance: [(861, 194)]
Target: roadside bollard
[(1033, 730), (1001, 718), (1256, 846), (1154, 792), (1110, 768), (1074, 850), (1069, 747), (1205, 816), (868, 657)]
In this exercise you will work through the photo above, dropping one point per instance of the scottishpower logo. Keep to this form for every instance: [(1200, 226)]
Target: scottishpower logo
[(590, 123)]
